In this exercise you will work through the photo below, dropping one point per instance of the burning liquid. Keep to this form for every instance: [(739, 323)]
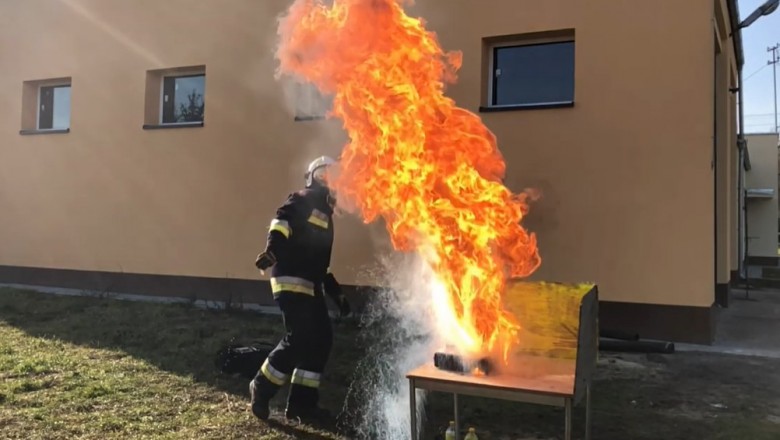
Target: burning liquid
[(430, 169)]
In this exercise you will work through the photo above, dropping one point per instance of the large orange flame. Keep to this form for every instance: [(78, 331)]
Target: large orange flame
[(430, 169)]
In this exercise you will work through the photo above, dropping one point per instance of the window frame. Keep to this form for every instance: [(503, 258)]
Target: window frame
[(31, 105), (52, 86), (314, 98), (175, 76), (154, 91), (490, 51)]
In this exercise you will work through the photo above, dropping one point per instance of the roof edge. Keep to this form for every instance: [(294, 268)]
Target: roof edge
[(736, 32)]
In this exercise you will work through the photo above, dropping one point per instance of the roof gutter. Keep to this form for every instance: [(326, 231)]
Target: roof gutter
[(736, 32)]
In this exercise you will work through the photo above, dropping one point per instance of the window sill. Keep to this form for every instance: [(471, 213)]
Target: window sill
[(164, 126), (510, 108), (309, 118), (51, 131)]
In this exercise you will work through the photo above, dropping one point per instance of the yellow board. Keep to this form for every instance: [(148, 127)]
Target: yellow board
[(549, 317)]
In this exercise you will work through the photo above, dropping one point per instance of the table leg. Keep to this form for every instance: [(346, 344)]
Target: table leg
[(457, 418), (413, 408), (567, 434), (588, 426)]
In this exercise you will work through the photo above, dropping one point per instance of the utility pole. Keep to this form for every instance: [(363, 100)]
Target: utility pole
[(773, 62)]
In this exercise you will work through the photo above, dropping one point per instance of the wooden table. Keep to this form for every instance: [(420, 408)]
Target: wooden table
[(549, 382)]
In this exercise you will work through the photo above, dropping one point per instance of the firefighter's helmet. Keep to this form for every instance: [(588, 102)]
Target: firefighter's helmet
[(316, 170)]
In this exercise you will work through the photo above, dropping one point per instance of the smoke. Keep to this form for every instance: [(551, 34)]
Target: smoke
[(398, 331), (319, 134), (426, 167), (400, 336)]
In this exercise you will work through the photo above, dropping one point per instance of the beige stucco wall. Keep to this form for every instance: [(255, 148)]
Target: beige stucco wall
[(762, 213), (626, 174), (111, 196)]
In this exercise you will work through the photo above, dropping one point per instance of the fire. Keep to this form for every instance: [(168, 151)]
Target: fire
[(430, 169)]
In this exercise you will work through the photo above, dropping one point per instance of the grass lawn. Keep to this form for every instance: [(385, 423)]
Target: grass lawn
[(95, 368)]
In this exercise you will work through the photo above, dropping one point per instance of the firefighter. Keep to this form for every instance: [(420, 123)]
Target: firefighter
[(298, 251)]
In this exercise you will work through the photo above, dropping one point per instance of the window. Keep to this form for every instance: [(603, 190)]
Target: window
[(46, 106), (183, 99), (310, 104), (531, 73), (175, 98), (54, 107)]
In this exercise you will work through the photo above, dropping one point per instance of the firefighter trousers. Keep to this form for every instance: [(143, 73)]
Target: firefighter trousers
[(302, 354)]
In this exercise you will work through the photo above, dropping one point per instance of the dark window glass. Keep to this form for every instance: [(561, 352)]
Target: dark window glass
[(183, 99), (536, 74), (54, 110)]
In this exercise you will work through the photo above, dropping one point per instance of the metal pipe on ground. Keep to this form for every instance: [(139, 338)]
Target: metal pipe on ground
[(636, 346), (618, 334)]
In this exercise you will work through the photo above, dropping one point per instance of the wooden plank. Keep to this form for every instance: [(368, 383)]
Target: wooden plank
[(490, 393), (557, 385)]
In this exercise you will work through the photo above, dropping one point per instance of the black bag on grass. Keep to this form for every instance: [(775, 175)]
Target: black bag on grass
[(243, 359)]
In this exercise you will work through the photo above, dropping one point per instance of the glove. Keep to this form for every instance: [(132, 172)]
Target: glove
[(333, 289), (265, 260), (344, 308)]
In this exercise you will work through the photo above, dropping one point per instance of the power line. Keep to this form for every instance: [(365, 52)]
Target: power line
[(754, 73)]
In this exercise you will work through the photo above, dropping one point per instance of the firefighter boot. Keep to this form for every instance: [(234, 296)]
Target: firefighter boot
[(262, 391), (302, 405)]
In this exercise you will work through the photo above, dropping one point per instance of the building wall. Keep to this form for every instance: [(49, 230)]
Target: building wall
[(627, 194), (626, 174), (111, 196), (762, 212)]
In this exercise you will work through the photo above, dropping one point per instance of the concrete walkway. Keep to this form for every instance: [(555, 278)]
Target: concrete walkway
[(218, 305), (749, 326)]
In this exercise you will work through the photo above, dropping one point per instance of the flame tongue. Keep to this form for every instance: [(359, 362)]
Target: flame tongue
[(430, 169)]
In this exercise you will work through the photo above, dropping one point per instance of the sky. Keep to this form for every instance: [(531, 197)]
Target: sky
[(759, 94)]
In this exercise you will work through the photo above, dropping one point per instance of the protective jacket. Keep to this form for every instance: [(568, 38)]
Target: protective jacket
[(301, 240)]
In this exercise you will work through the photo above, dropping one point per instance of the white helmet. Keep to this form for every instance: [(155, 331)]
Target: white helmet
[(317, 168)]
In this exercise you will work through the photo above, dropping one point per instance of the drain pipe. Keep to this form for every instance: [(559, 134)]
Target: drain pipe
[(736, 34), (741, 146)]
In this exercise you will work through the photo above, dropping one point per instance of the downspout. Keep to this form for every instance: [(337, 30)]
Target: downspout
[(736, 33), (741, 145)]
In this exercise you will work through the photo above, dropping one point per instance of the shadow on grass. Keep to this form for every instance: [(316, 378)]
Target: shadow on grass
[(177, 338)]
